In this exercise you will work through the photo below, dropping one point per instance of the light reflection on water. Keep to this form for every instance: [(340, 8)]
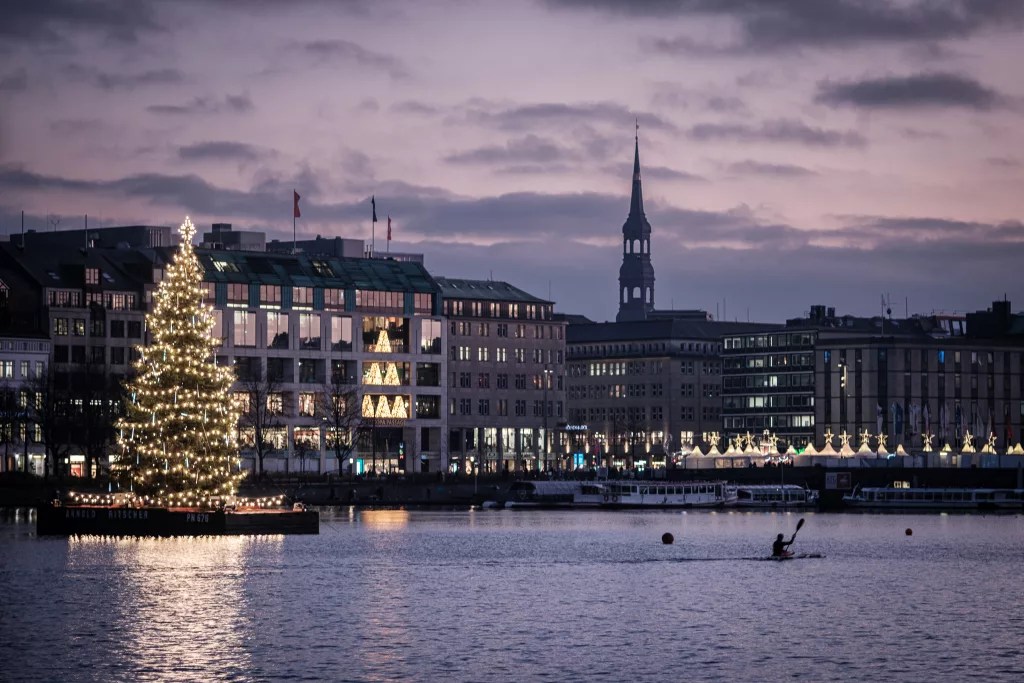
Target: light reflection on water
[(166, 609), (522, 595)]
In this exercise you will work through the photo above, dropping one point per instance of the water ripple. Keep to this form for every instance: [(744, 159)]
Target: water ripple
[(518, 595)]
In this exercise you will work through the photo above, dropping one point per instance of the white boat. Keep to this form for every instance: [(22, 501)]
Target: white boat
[(591, 494), (887, 497), (543, 493), (665, 494), (775, 496)]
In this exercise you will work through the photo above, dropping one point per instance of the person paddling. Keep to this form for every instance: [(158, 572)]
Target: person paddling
[(780, 548)]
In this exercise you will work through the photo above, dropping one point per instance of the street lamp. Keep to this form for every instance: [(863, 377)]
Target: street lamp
[(547, 378)]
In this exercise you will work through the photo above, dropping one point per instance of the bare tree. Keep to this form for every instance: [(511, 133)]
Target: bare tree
[(96, 399), (48, 408), (635, 431), (261, 412), (10, 419), (341, 409)]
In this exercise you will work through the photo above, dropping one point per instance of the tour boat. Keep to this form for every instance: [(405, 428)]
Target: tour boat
[(666, 494), (541, 493), (775, 496), (887, 497)]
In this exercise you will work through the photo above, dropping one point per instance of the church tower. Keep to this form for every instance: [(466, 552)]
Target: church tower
[(636, 275)]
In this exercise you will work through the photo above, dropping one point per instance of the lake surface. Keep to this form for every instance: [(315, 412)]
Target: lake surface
[(515, 595)]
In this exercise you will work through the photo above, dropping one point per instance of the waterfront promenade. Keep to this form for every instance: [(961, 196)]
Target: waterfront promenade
[(432, 490)]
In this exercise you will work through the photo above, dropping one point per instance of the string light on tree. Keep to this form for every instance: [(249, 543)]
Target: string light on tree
[(177, 437)]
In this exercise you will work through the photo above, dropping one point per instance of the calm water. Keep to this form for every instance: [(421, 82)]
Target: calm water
[(523, 595)]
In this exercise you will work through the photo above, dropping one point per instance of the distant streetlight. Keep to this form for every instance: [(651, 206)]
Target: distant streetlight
[(546, 378)]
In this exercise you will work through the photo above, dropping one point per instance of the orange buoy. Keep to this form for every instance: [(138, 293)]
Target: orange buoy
[(667, 538)]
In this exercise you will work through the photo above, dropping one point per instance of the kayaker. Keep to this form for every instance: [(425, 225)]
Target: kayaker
[(780, 546)]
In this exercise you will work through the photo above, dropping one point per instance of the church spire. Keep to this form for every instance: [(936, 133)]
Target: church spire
[(636, 275), (636, 202)]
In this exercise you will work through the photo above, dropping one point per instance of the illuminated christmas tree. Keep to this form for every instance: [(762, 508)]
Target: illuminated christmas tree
[(178, 434)]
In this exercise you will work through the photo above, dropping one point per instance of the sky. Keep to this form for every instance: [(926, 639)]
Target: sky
[(793, 152)]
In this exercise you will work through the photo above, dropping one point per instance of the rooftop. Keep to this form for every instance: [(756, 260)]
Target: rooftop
[(485, 290)]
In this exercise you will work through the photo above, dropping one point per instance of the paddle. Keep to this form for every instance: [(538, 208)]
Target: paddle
[(798, 526)]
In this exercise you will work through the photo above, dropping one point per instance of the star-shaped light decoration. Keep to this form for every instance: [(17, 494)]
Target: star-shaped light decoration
[(187, 230)]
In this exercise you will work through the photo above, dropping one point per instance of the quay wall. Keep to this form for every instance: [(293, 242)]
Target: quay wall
[(431, 490)]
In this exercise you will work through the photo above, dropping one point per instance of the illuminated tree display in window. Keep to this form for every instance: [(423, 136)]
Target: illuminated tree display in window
[(373, 375), (380, 406), (177, 437)]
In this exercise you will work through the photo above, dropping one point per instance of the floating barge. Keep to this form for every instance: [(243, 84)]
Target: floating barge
[(104, 520)]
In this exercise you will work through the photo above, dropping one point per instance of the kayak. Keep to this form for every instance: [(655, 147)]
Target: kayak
[(791, 556), (803, 556)]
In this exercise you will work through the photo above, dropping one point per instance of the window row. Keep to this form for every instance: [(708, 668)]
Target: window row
[(329, 404), (536, 382), (73, 298), (315, 331), (485, 354), (95, 355), (467, 328), (497, 309), (77, 327), (25, 369), (242, 294), (520, 407)]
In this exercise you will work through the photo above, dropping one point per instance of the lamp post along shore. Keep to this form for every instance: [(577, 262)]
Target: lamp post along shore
[(546, 377)]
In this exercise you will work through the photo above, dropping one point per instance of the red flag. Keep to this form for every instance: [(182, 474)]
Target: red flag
[(296, 214), (389, 228)]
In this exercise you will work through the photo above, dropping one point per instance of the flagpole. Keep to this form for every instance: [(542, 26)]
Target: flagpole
[(295, 214)]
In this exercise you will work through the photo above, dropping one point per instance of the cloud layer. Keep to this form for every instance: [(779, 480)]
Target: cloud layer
[(835, 149)]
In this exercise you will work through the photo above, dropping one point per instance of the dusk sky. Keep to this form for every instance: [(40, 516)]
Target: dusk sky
[(793, 152)]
